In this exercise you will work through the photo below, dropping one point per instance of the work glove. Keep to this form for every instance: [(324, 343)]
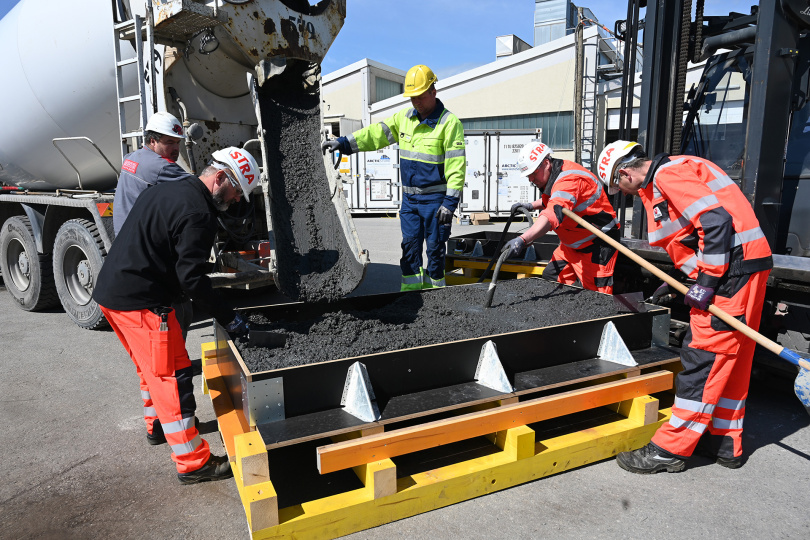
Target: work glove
[(515, 247), (699, 297), (444, 216), (661, 291), (238, 327), (331, 145), (518, 205)]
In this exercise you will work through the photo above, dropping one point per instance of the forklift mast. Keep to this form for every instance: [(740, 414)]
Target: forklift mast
[(768, 58)]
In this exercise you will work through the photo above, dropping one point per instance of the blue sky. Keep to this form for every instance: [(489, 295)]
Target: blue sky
[(450, 36)]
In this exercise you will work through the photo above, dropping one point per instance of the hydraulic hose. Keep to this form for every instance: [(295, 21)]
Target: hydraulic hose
[(494, 281), (503, 236)]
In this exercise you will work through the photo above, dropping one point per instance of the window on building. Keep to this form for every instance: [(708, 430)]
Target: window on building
[(558, 127), (386, 89)]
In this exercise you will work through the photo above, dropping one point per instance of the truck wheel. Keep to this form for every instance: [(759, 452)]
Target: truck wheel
[(78, 254), (27, 274)]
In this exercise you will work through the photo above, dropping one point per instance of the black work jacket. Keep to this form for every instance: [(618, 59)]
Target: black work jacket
[(162, 252)]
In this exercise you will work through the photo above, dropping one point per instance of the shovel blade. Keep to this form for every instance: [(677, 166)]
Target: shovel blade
[(261, 338), (630, 302), (801, 387)]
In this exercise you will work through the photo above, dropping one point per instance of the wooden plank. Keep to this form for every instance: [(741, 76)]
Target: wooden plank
[(347, 454), (261, 505), (252, 458)]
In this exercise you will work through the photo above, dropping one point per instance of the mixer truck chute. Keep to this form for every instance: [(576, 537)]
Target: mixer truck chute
[(237, 73)]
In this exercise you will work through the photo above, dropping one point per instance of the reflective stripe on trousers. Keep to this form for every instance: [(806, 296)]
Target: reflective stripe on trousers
[(713, 386), (172, 396)]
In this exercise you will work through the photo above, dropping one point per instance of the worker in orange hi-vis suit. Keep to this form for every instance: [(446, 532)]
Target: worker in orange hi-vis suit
[(707, 226), (581, 258)]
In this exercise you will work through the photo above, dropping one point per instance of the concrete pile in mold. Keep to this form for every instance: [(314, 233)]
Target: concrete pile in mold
[(423, 318), (314, 259)]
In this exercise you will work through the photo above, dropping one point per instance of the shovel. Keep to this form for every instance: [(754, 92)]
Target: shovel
[(263, 338), (802, 383)]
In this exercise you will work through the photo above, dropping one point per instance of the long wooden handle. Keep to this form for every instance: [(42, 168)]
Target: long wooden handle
[(683, 289)]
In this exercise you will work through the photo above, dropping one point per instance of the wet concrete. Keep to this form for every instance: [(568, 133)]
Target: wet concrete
[(314, 260), (423, 318)]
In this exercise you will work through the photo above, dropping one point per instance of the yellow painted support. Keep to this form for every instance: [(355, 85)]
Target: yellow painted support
[(384, 498), (356, 510)]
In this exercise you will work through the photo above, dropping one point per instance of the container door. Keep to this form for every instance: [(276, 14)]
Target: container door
[(474, 194), (508, 187), (382, 179)]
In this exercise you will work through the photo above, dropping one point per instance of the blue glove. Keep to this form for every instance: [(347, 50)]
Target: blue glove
[(515, 247), (444, 216), (699, 297), (238, 327), (527, 205)]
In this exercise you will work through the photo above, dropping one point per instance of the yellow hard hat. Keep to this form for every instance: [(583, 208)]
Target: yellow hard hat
[(417, 81)]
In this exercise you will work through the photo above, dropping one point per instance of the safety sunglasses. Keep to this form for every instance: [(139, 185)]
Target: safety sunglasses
[(234, 182)]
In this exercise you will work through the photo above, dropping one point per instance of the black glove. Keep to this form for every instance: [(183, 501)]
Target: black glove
[(444, 216), (330, 145), (238, 327), (662, 290), (699, 297), (527, 205), (515, 247)]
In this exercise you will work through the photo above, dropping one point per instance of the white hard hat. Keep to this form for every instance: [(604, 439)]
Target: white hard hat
[(611, 156), (242, 164), (165, 124), (531, 156)]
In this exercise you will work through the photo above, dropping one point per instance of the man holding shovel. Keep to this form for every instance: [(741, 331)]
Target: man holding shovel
[(707, 226), (581, 257)]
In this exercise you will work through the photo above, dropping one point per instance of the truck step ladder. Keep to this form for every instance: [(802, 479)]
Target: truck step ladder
[(133, 28)]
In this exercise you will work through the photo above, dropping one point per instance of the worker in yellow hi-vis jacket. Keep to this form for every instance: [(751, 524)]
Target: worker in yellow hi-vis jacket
[(432, 169)]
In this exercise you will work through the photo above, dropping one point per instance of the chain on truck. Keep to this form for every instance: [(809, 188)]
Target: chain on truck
[(80, 82)]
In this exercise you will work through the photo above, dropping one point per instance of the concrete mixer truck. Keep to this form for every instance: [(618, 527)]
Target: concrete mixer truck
[(80, 81)]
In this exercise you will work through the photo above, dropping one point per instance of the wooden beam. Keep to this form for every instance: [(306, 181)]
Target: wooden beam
[(338, 456), (252, 457)]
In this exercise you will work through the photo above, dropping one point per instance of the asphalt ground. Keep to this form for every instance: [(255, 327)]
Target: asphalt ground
[(75, 463)]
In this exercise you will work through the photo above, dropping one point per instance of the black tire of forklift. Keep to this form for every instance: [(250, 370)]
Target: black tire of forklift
[(78, 254), (27, 275)]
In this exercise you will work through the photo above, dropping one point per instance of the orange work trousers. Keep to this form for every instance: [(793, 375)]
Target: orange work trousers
[(571, 267), (711, 390), (165, 374)]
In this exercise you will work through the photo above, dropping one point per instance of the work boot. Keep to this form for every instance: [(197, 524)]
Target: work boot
[(650, 459), (157, 436), (704, 448), (216, 468)]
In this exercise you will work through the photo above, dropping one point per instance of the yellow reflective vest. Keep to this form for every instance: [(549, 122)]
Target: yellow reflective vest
[(433, 163)]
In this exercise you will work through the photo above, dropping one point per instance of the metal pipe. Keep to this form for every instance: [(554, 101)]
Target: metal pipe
[(711, 44), (184, 119)]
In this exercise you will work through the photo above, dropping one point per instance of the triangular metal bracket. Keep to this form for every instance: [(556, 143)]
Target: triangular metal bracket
[(490, 372), (478, 250), (612, 347), (530, 254), (358, 395)]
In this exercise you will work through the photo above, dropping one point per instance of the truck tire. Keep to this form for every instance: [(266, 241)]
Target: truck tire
[(78, 254), (28, 276)]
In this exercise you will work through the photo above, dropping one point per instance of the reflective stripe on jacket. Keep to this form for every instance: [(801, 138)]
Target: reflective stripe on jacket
[(433, 162), (574, 187), (704, 222)]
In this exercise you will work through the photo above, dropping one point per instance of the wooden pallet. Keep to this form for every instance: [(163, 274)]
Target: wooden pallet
[(518, 446)]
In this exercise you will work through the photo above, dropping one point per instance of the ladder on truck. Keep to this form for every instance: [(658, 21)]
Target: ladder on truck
[(135, 27)]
